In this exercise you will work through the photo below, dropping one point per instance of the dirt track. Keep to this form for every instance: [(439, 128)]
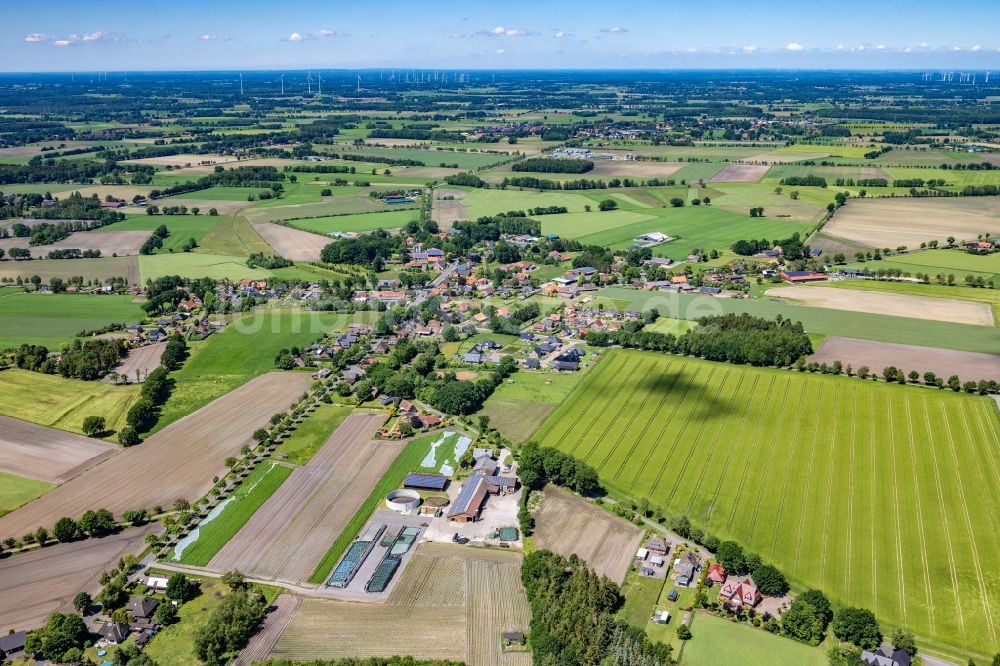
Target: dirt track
[(969, 366), (447, 212), (293, 244), (264, 639), (47, 454), (42, 581), (567, 524), (288, 536), (884, 303), (108, 242), (145, 359), (906, 221), (178, 461), (740, 173)]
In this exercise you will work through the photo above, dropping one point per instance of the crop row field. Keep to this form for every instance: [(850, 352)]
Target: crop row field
[(451, 602), (881, 495)]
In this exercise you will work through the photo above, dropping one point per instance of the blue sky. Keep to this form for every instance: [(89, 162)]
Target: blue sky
[(80, 35)]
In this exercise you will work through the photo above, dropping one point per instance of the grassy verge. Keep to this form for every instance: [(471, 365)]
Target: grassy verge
[(252, 493), (309, 437), (407, 461), (18, 490)]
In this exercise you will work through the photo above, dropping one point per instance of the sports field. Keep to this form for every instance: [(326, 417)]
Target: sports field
[(51, 319), (755, 455)]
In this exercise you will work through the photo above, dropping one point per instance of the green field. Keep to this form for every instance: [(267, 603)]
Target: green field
[(198, 265), (755, 455), (250, 495), (518, 409), (718, 642), (242, 351), (357, 222), (431, 158), (101, 269), (934, 262), (18, 490), (862, 325), (51, 400), (312, 434), (181, 228), (491, 202), (52, 319), (406, 462)]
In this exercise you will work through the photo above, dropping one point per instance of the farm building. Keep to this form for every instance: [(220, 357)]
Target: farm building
[(513, 638), (797, 277), (12, 645), (470, 500), (652, 237), (736, 593), (661, 616), (422, 481), (641, 554)]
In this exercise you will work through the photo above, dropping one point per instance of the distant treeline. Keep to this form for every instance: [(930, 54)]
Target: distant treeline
[(250, 176), (736, 338), (553, 165)]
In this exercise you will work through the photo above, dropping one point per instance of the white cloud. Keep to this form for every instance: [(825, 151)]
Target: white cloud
[(295, 37), (794, 46), (559, 34), (924, 45), (956, 48), (977, 47), (96, 37), (749, 48), (500, 31), (908, 50), (501, 51), (880, 47), (840, 47), (614, 30), (861, 47), (207, 38)]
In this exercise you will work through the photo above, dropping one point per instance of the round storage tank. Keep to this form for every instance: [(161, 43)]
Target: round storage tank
[(403, 500)]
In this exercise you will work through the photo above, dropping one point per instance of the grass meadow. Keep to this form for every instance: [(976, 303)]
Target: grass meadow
[(181, 228), (51, 400), (934, 262), (755, 454), (199, 265), (18, 490), (312, 434), (52, 319), (251, 494), (518, 409), (358, 222)]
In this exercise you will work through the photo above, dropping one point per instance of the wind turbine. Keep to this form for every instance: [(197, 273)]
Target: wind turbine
[(359, 83), (309, 81), (241, 83), (320, 82), (282, 77)]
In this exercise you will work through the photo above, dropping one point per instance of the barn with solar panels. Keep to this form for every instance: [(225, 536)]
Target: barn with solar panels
[(421, 481)]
